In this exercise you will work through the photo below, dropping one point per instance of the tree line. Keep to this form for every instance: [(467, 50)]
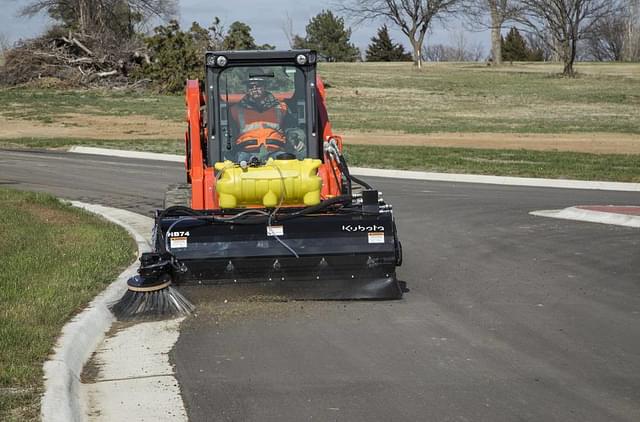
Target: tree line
[(94, 39), (610, 29)]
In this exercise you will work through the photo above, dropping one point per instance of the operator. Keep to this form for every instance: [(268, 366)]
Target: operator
[(260, 118)]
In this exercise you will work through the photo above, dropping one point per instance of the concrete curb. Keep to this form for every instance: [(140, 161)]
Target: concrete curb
[(405, 174), (578, 214), (80, 337)]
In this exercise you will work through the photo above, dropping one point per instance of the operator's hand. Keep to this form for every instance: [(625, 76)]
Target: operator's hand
[(296, 138), (298, 146)]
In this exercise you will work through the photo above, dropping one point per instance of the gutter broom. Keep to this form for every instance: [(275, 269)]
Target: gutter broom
[(150, 294)]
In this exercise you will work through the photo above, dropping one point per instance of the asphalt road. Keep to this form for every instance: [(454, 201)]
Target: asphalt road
[(509, 316)]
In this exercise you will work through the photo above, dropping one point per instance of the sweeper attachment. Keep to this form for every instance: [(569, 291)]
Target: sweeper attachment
[(271, 200)]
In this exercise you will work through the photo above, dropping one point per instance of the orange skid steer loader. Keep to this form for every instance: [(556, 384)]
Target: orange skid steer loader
[(270, 199)]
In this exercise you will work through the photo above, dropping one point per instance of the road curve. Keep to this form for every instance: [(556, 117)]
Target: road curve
[(509, 317)]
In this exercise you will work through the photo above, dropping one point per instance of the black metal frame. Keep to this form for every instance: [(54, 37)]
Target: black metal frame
[(259, 58)]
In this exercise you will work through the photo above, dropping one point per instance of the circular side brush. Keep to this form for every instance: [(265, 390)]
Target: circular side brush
[(150, 294)]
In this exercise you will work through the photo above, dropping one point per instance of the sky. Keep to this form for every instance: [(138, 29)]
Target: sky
[(266, 19)]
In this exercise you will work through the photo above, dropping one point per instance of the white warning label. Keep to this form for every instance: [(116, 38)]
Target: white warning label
[(275, 230), (178, 242), (376, 237)]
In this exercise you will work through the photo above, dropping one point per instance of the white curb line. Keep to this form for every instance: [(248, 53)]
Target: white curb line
[(579, 214), (405, 174), (141, 155), (80, 337)]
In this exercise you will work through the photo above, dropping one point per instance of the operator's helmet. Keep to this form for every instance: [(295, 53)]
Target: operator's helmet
[(255, 81)]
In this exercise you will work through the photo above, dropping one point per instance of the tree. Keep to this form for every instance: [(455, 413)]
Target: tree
[(326, 33), (175, 56), (382, 49), (632, 38), (514, 47), (239, 38), (459, 51), (4, 43), (568, 22), (412, 17), (606, 41), (498, 13), (96, 16)]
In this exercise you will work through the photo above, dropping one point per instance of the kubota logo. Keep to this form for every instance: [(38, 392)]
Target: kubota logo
[(361, 228)]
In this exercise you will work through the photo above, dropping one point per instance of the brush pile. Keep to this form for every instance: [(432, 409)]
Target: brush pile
[(74, 60)]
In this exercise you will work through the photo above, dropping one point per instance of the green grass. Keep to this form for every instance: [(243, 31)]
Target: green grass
[(54, 260), (475, 98), (167, 146), (523, 163), (47, 104), (444, 97)]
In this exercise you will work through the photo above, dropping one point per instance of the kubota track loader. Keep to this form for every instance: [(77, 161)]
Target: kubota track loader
[(270, 199)]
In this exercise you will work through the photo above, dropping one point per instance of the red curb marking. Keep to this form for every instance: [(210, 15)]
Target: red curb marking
[(615, 209)]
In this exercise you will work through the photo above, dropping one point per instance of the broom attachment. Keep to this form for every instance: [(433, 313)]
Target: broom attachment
[(150, 294)]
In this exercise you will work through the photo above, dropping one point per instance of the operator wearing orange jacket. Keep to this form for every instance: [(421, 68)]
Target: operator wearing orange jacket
[(261, 118)]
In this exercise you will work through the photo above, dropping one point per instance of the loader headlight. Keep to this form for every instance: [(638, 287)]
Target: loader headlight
[(301, 59), (221, 61), (211, 60)]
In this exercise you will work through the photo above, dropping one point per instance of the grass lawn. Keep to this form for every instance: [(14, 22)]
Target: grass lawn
[(444, 97), (521, 163), (54, 260), (524, 163), (524, 98)]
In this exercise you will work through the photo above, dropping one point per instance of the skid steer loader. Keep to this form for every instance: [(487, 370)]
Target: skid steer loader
[(269, 198)]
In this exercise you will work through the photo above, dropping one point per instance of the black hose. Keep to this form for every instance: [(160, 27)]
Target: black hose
[(179, 210), (345, 170), (360, 182)]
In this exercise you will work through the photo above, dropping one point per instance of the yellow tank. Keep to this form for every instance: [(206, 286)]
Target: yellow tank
[(238, 187)]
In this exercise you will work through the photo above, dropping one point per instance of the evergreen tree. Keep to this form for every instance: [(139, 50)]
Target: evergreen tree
[(239, 37), (514, 47), (382, 48), (175, 56), (327, 35)]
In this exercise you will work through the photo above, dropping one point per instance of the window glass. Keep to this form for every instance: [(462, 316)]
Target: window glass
[(262, 113)]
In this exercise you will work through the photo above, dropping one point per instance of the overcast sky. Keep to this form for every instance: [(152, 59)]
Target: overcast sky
[(266, 19)]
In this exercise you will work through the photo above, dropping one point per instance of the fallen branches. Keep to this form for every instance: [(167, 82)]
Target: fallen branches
[(75, 59)]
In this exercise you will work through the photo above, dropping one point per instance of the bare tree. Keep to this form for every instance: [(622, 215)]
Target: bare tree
[(287, 29), (459, 51), (568, 21), (4, 43), (632, 38), (91, 16), (493, 14), (412, 17), (540, 47), (606, 41)]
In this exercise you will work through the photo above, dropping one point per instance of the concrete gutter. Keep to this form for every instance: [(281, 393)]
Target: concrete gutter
[(591, 216), (61, 401), (405, 174)]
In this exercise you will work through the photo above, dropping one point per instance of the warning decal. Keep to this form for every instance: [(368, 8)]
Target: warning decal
[(275, 230), (376, 237), (178, 242)]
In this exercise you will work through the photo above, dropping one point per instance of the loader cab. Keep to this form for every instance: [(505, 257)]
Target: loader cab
[(260, 105)]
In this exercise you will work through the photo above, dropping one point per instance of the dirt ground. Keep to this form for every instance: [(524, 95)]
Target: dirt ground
[(89, 126)]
